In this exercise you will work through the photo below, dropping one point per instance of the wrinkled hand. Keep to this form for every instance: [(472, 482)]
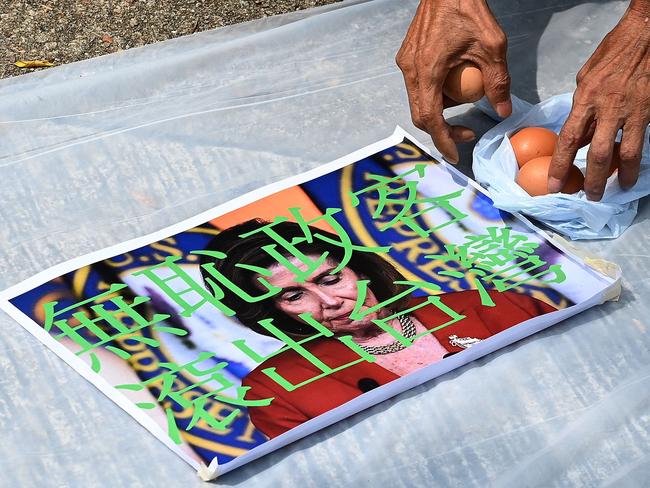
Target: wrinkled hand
[(442, 35), (613, 92)]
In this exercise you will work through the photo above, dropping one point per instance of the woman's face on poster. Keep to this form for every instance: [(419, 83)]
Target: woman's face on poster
[(329, 298)]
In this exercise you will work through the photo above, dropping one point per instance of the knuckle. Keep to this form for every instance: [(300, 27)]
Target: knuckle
[(599, 157), (417, 122), (501, 80), (405, 59), (502, 41), (569, 137), (629, 156), (497, 43), (427, 117), (586, 92), (400, 59)]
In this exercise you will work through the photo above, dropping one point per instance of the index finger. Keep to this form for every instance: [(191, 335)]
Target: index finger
[(571, 138), (436, 125), (407, 64), (431, 77), (497, 87), (599, 159)]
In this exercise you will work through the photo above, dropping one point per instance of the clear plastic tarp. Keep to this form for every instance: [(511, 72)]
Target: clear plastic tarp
[(98, 152)]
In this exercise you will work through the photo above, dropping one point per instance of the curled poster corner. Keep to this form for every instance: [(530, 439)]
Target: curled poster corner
[(607, 268), (209, 473), (610, 269)]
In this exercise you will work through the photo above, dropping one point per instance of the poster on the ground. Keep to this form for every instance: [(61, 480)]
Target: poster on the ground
[(263, 320)]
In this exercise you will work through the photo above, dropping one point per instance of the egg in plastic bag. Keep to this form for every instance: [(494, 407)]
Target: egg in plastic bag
[(495, 167)]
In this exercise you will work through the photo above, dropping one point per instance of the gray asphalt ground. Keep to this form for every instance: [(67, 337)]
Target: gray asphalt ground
[(63, 31)]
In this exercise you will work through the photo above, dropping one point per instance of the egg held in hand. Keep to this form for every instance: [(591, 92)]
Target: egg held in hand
[(464, 83), (532, 142), (533, 177)]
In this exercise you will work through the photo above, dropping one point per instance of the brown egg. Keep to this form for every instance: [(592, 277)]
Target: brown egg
[(533, 177), (533, 142), (464, 83)]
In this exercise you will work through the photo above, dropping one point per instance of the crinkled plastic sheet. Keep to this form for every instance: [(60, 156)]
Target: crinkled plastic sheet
[(105, 150)]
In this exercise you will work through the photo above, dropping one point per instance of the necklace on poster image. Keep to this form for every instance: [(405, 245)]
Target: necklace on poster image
[(408, 332)]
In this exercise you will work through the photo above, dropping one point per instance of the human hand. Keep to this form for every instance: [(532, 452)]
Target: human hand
[(613, 92), (442, 35)]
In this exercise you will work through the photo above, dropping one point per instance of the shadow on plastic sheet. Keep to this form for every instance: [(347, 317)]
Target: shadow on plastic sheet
[(643, 212)]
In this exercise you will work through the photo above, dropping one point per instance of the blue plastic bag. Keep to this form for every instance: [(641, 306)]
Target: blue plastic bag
[(495, 167)]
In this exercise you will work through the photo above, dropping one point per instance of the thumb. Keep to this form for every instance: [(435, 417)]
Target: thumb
[(496, 81)]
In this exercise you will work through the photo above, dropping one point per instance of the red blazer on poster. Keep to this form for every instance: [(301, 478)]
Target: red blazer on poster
[(291, 408)]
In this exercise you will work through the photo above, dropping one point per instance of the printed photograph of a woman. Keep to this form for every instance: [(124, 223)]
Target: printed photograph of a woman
[(329, 296)]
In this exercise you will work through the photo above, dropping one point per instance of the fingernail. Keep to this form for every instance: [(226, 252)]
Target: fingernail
[(554, 185), (467, 135), (453, 159), (594, 196), (504, 109)]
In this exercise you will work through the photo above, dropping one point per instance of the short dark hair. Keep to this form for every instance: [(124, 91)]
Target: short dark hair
[(248, 250)]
